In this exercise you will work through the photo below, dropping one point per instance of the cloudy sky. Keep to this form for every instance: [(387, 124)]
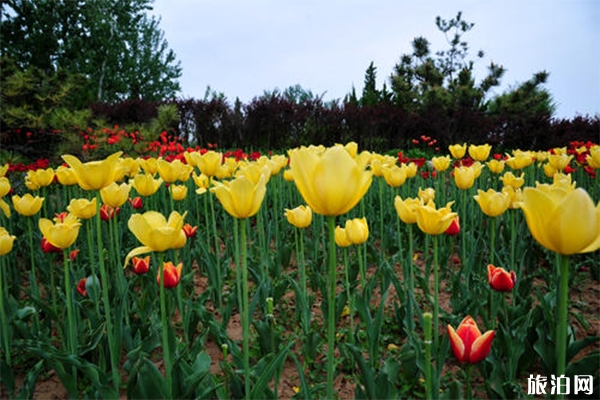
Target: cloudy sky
[(244, 48)]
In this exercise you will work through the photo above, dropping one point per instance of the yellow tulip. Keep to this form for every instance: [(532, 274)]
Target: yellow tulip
[(288, 176), (406, 209), (254, 172), (240, 197), (208, 163), (4, 190), (300, 217), (115, 195), (4, 186), (61, 233), (426, 195), (331, 182), (6, 241), (94, 175), (492, 203), (39, 178), (278, 162), (394, 175), (509, 179), (593, 159), (477, 168), (560, 150), (432, 220), (520, 160), (357, 230), (549, 170), (566, 222), (149, 165), (411, 170), (3, 170), (145, 184), (178, 192), (227, 169), (458, 150), (156, 233), (352, 148), (66, 176), (128, 167), (341, 238), (82, 208), (441, 163), (376, 166), (27, 205), (496, 166), (464, 177), (171, 172), (559, 161), (515, 196), (480, 153)]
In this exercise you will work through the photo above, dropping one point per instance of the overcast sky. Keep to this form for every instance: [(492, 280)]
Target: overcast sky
[(243, 48)]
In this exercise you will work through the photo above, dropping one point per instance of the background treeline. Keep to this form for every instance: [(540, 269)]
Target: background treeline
[(74, 73)]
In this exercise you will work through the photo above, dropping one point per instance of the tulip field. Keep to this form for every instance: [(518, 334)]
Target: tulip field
[(318, 272)]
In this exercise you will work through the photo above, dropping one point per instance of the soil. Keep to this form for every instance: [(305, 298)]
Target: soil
[(584, 296)]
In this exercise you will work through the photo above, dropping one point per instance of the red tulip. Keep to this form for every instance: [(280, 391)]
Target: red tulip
[(108, 213), (141, 265), (48, 247), (171, 274), (190, 231), (73, 254), (468, 344), (81, 287), (501, 280), (454, 228), (136, 202)]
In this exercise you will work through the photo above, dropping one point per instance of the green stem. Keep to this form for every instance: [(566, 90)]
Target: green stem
[(165, 326), (436, 289), (217, 284), (71, 332), (4, 315), (331, 307), (71, 329), (410, 279), (35, 291), (245, 311), (469, 393), (427, 343), (305, 310), (349, 296), (105, 299), (492, 239), (562, 315)]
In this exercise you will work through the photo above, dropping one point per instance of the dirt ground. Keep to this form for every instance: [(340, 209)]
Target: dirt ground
[(585, 296)]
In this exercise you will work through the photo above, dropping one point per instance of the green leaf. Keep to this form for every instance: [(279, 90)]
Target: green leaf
[(269, 372)]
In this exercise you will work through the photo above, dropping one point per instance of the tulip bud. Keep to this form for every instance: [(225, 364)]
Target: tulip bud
[(467, 342), (357, 230), (501, 280), (171, 275), (136, 202), (454, 228), (81, 287), (189, 230), (141, 265)]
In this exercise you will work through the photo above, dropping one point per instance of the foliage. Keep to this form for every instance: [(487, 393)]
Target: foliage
[(119, 51)]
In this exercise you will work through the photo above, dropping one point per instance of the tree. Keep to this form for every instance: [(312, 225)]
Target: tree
[(442, 89), (113, 44)]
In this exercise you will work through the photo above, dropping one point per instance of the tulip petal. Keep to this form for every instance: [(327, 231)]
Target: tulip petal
[(574, 223), (458, 347), (481, 347), (136, 252), (537, 207)]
